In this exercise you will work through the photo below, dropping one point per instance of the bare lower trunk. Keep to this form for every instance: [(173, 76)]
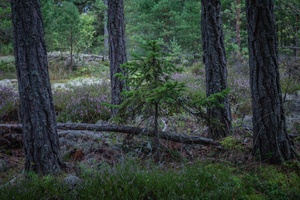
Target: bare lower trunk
[(238, 23), (215, 67), (106, 44), (270, 139), (71, 50), (156, 119), (40, 136), (117, 49)]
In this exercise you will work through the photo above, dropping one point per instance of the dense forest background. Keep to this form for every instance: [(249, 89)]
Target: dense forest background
[(80, 26), (182, 106)]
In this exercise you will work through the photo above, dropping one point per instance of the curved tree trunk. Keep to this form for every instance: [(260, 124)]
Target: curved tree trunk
[(271, 142), (117, 49), (40, 136), (215, 66)]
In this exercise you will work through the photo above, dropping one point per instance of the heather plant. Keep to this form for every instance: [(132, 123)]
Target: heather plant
[(86, 103), (9, 102), (85, 109)]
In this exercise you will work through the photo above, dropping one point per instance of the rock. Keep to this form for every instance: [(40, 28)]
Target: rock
[(103, 123), (5, 82), (76, 83), (72, 181), (292, 104), (18, 178), (14, 81), (247, 121), (3, 165), (292, 111)]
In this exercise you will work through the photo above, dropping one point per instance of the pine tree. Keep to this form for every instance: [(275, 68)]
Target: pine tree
[(270, 138), (40, 138), (152, 90), (215, 67)]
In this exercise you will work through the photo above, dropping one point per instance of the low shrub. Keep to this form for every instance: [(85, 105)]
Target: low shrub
[(85, 103), (9, 103), (85, 109), (7, 68)]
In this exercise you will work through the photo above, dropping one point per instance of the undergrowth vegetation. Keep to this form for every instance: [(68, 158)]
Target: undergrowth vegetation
[(134, 180), (230, 173), (9, 102), (86, 103), (7, 67)]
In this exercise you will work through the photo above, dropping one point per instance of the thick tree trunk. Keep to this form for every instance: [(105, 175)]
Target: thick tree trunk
[(215, 67), (271, 142), (40, 136), (117, 48)]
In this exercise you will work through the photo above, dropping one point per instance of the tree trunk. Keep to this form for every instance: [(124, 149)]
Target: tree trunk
[(215, 67), (71, 50), (40, 136), (296, 36), (117, 49), (238, 23), (271, 141), (105, 45), (6, 129)]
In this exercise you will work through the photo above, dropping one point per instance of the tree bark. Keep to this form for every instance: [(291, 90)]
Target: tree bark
[(117, 49), (271, 142), (37, 113), (106, 44), (238, 24), (16, 129), (214, 59)]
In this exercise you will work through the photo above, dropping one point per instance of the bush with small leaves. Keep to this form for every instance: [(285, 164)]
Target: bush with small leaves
[(9, 103), (86, 103)]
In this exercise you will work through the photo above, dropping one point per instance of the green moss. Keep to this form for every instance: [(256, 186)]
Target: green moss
[(231, 143)]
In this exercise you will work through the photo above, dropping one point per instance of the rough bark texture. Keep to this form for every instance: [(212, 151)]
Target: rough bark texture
[(271, 142), (215, 66), (238, 23), (117, 49), (40, 136), (16, 129), (105, 44)]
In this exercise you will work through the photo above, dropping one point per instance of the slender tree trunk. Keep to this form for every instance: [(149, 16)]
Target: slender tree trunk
[(270, 139), (40, 136), (117, 49), (106, 44), (238, 23), (214, 59), (296, 36), (156, 119), (71, 50)]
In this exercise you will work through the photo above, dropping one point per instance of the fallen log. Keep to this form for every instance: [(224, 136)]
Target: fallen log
[(17, 128)]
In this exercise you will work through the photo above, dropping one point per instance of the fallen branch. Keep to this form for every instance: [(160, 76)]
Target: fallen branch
[(17, 128)]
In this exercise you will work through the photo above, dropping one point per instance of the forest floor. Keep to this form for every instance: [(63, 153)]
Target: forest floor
[(89, 152), (85, 151)]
